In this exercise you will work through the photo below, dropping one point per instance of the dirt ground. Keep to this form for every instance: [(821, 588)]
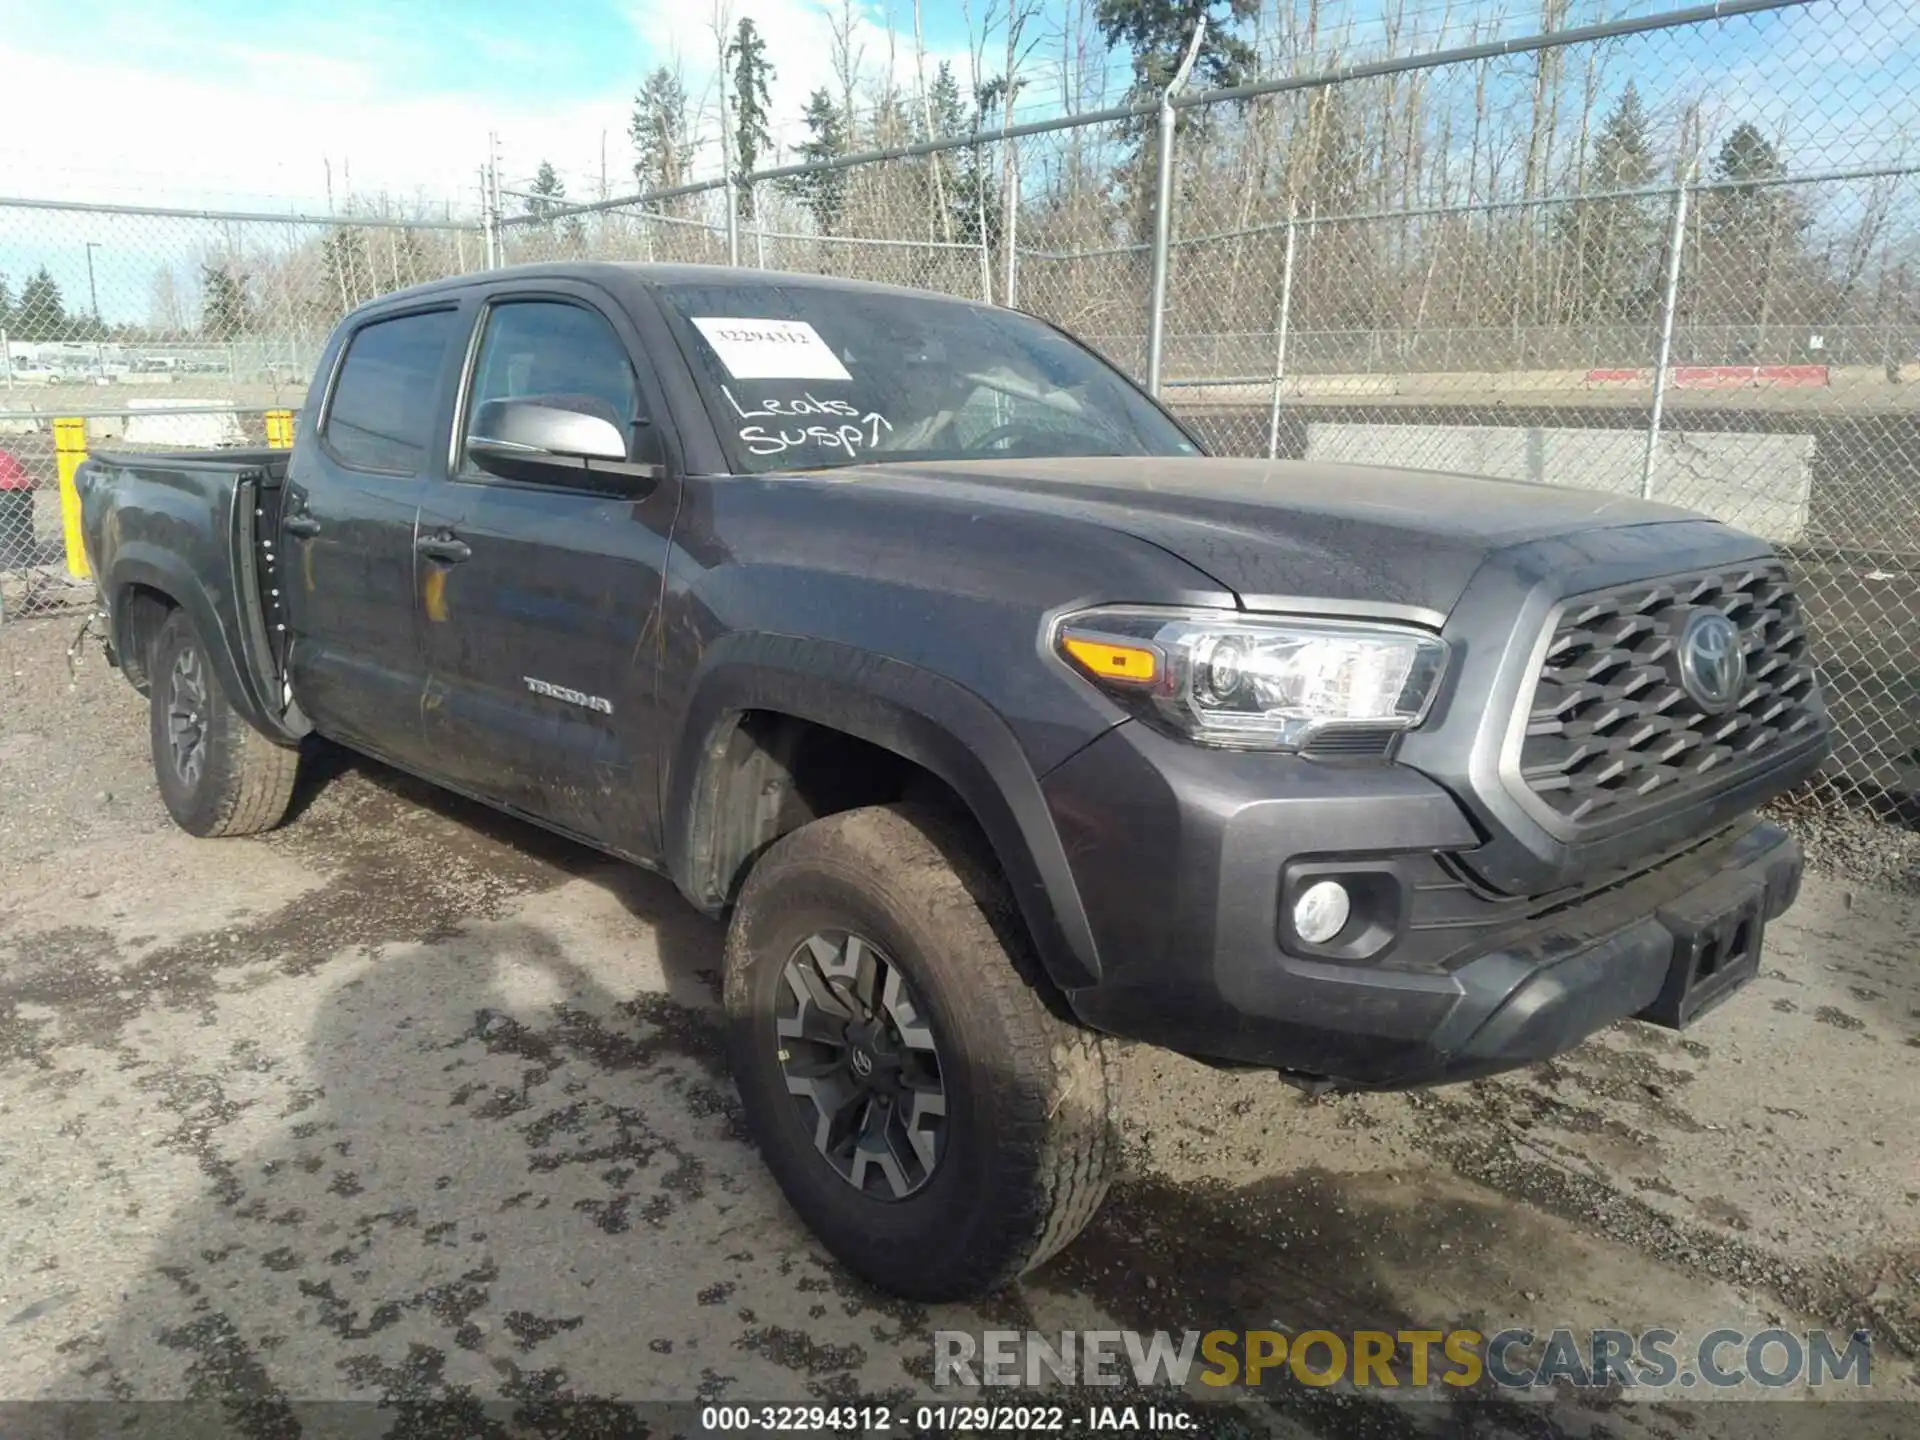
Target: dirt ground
[(411, 1103)]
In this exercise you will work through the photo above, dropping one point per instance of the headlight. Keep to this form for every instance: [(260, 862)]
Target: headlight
[(1262, 682)]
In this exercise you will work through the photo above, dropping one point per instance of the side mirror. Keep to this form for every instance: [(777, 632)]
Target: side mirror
[(526, 440)]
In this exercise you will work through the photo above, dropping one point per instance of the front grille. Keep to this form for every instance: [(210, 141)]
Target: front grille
[(1611, 727)]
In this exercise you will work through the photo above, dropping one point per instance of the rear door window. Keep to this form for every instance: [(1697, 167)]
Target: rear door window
[(382, 413)]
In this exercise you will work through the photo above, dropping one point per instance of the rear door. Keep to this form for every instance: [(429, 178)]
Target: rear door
[(353, 494), (539, 599)]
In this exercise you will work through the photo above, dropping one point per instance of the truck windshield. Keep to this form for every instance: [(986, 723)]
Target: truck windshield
[(805, 377)]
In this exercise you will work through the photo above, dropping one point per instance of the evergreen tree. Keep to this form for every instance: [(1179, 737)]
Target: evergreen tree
[(1157, 33), (1612, 246), (224, 311), (661, 134), (548, 191), (953, 175), (1752, 232), (1753, 207), (344, 254), (40, 313), (973, 184), (943, 100), (751, 71), (824, 194)]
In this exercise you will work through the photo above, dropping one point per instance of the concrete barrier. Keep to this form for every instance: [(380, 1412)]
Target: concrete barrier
[(1756, 480), (1720, 377), (148, 423)]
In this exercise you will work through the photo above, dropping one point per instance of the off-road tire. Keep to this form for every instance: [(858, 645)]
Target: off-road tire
[(1030, 1144), (244, 782)]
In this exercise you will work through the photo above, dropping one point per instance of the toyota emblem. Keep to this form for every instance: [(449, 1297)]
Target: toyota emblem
[(1713, 668)]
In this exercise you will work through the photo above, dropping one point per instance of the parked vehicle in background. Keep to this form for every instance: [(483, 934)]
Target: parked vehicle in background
[(17, 545), (910, 635), (37, 372)]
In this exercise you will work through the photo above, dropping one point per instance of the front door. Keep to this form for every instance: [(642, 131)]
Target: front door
[(353, 494), (539, 599)]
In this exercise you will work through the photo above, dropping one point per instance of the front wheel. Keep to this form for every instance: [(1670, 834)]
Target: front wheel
[(217, 774), (930, 1118)]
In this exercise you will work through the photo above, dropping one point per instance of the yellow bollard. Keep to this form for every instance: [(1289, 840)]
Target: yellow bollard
[(69, 449), (280, 429)]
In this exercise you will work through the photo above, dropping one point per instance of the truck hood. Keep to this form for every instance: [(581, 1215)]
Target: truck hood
[(1276, 531)]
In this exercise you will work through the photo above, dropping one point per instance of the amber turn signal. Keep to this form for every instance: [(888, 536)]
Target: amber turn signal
[(1104, 660)]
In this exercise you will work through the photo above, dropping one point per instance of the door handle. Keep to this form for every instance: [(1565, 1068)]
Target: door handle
[(448, 549), (301, 524)]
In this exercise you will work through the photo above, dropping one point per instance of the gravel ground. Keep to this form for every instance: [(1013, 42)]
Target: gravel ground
[(1861, 849), (412, 1103)]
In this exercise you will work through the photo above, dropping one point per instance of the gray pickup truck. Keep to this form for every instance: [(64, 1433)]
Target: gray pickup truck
[(915, 638)]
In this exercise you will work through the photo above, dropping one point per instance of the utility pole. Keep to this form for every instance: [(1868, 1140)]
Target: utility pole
[(490, 202), (93, 292), (486, 220)]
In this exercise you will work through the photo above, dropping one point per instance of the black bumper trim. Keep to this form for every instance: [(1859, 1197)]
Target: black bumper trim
[(1189, 890)]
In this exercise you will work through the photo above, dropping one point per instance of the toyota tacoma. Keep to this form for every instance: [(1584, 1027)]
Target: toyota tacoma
[(913, 637)]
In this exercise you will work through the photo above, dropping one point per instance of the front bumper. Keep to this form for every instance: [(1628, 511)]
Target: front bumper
[(1182, 856)]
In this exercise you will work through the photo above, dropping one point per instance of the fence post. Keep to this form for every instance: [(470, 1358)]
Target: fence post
[(1280, 344), (6, 356), (1163, 209), (1010, 231), (69, 449), (733, 220), (1676, 237), (759, 226), (280, 429)]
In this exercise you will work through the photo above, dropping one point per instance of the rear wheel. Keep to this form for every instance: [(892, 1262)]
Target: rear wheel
[(217, 774), (929, 1117)]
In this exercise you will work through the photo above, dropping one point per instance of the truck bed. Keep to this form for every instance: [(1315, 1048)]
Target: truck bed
[(200, 528), (256, 458)]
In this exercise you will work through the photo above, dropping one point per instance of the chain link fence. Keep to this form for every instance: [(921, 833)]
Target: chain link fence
[(155, 328), (1673, 255)]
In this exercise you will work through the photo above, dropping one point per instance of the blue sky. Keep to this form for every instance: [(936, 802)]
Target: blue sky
[(226, 101), (271, 105), (261, 104), (242, 103)]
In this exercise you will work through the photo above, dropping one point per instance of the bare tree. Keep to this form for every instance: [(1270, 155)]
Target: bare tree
[(849, 53), (937, 169), (166, 314)]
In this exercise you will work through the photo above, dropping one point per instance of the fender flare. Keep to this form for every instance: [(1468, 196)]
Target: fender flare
[(922, 717), (158, 569)]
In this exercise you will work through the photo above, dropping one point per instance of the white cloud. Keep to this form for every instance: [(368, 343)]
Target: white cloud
[(209, 121), (259, 128)]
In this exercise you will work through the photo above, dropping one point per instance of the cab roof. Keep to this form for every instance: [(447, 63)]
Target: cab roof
[(618, 276)]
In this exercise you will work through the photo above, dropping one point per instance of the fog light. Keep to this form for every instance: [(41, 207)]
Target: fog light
[(1321, 911)]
